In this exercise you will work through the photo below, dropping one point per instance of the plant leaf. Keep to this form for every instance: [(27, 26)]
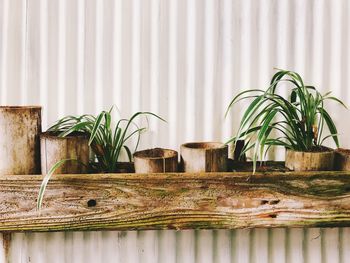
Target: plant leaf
[(128, 152), (331, 126), (46, 180)]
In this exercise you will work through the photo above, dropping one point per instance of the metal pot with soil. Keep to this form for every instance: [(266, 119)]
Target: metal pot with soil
[(204, 157), (320, 159), (156, 160), (74, 148), (342, 159), (20, 128)]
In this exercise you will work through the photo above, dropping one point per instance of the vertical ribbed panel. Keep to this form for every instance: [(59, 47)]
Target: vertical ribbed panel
[(220, 246), (182, 59)]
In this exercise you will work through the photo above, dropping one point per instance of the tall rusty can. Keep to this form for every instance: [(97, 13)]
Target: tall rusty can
[(20, 128)]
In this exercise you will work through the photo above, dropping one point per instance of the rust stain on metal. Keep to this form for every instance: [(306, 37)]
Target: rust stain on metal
[(19, 139), (204, 157), (74, 147), (156, 160)]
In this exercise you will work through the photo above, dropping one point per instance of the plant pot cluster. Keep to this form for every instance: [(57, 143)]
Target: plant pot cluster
[(26, 150), (299, 118), (196, 157), (92, 144)]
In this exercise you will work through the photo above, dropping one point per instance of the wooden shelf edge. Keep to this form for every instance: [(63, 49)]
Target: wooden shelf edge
[(176, 201)]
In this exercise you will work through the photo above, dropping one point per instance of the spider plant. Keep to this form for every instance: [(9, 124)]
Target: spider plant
[(106, 140), (296, 122)]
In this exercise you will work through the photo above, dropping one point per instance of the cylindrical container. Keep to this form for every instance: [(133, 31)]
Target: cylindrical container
[(156, 160), (20, 128), (125, 167), (74, 148), (342, 159), (310, 161), (204, 157)]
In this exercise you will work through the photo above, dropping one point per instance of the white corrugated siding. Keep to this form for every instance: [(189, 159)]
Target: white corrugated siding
[(183, 59)]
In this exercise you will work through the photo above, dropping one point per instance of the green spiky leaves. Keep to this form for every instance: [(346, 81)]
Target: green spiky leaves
[(106, 140), (296, 122)]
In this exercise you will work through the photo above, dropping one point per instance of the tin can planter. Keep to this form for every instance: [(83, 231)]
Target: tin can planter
[(156, 160), (20, 128), (342, 159), (204, 157), (310, 161), (73, 147)]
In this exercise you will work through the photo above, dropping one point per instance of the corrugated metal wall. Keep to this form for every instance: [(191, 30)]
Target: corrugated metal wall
[(183, 59)]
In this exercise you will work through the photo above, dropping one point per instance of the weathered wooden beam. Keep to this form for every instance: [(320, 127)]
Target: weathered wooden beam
[(176, 201)]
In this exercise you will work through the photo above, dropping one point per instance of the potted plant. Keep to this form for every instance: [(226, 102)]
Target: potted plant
[(204, 157), (296, 122), (156, 160), (106, 140), (20, 128)]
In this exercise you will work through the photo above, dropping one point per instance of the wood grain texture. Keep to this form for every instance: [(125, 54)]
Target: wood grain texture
[(176, 201)]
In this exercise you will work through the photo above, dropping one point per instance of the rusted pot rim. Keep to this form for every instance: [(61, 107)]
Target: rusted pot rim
[(54, 135), (325, 150), (204, 145), (156, 153), (343, 151), (20, 107)]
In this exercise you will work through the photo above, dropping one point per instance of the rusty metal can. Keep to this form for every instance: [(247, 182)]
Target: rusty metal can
[(20, 128)]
